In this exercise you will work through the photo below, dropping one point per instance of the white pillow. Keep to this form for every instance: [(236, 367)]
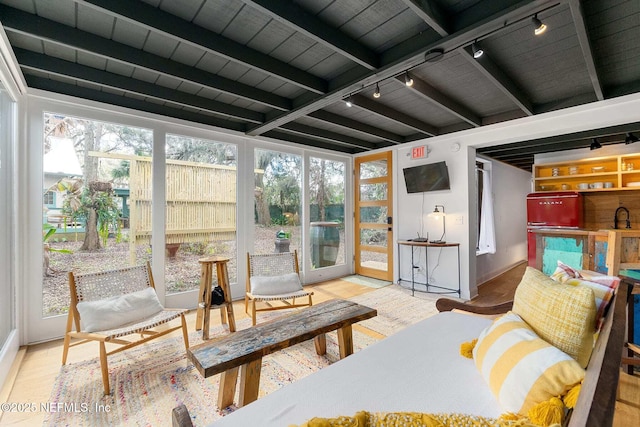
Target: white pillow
[(275, 285), (110, 313)]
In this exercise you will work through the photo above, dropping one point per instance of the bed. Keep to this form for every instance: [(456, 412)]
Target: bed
[(420, 369)]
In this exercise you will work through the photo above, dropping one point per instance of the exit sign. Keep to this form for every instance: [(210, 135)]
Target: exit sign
[(419, 152)]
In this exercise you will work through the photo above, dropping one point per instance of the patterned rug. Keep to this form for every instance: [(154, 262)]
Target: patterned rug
[(149, 381), (397, 309), (366, 281)]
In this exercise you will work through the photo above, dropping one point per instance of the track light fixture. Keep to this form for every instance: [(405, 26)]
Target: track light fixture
[(407, 79), (376, 94), (348, 102), (477, 52), (538, 26), (595, 144), (631, 138)]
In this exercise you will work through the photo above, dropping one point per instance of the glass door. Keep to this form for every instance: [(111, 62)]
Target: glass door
[(8, 330), (277, 202), (201, 199), (374, 216), (95, 214)]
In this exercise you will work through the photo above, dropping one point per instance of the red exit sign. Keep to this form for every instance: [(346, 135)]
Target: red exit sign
[(419, 152)]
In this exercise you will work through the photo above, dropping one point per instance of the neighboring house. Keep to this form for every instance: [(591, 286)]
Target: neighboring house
[(60, 162)]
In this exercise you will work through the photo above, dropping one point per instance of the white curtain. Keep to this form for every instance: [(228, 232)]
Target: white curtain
[(487, 239)]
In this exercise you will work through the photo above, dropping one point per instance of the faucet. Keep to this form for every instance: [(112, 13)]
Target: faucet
[(615, 219)]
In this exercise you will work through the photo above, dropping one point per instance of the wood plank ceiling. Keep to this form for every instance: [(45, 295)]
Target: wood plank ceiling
[(286, 69)]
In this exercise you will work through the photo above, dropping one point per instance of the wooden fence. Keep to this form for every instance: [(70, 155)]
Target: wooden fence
[(200, 201)]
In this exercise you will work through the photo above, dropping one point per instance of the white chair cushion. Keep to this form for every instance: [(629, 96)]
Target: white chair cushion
[(275, 285), (111, 313)]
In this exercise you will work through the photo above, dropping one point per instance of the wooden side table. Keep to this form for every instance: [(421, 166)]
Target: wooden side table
[(204, 296)]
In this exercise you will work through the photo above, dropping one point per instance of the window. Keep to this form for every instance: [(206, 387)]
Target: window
[(49, 199)]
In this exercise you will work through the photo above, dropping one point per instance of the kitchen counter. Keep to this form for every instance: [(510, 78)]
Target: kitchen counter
[(568, 232), (603, 250)]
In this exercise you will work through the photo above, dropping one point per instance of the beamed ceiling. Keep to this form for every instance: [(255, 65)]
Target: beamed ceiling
[(284, 69)]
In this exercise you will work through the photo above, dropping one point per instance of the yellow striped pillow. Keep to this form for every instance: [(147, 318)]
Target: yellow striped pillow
[(564, 316), (520, 368)]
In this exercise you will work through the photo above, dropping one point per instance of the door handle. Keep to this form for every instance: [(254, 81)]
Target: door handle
[(389, 220)]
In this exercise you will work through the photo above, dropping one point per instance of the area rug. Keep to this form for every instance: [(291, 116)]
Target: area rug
[(397, 309), (366, 281), (147, 382)]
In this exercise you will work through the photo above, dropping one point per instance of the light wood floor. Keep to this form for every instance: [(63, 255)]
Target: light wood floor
[(38, 365)]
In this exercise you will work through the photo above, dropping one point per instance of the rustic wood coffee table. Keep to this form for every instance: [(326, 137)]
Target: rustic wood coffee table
[(244, 349)]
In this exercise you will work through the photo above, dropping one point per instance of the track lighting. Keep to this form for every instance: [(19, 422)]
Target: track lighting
[(538, 26), (630, 139), (348, 102), (407, 79), (595, 144), (477, 52), (376, 94)]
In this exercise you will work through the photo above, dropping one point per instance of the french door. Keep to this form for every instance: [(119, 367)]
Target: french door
[(374, 216)]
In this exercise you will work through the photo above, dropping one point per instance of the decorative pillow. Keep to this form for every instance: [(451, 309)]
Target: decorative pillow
[(275, 285), (394, 419), (603, 287), (111, 313), (521, 369), (561, 315)]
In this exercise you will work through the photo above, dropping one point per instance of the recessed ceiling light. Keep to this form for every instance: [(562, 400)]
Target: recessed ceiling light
[(434, 55), (348, 102)]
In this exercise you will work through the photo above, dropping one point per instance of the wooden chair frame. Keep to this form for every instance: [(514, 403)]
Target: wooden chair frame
[(97, 286), (273, 265)]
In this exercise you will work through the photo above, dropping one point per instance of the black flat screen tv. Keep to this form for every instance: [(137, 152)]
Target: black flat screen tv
[(429, 177)]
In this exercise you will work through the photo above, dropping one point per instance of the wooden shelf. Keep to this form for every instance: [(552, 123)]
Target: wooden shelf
[(582, 175)]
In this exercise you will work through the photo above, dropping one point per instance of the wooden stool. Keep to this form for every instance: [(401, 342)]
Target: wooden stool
[(204, 297)]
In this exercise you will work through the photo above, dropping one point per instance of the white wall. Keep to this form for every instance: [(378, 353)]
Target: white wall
[(510, 188), (412, 218), (461, 199)]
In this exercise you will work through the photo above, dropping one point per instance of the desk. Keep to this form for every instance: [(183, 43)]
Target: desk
[(426, 246)]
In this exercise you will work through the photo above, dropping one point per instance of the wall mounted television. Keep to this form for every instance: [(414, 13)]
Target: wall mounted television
[(429, 177)]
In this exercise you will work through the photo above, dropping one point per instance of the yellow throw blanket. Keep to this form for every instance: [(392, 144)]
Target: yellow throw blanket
[(416, 419)]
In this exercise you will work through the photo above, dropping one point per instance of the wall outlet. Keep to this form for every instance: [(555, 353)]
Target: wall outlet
[(459, 220)]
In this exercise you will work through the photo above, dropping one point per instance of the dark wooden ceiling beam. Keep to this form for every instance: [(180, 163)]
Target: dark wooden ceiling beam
[(426, 91), (391, 114), (364, 128), (611, 133), (157, 20), (292, 15), (332, 137), (431, 13), (483, 64), (499, 78), (409, 54), (132, 103), (310, 142), (577, 12), (28, 24), (47, 64)]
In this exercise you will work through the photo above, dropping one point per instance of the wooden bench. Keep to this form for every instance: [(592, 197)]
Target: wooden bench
[(244, 349)]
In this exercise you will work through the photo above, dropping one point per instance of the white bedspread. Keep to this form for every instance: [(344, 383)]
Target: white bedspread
[(418, 369)]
